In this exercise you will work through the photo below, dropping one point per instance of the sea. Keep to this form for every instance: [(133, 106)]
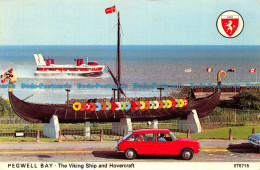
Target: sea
[(141, 67)]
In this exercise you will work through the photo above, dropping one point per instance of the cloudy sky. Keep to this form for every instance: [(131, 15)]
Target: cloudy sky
[(144, 22)]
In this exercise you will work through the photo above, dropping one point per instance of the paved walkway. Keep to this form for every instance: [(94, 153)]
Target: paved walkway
[(107, 146)]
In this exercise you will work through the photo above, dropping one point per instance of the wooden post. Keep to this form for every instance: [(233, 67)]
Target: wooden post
[(124, 132), (253, 131), (101, 135), (230, 134), (188, 133), (38, 136), (60, 137), (114, 94)]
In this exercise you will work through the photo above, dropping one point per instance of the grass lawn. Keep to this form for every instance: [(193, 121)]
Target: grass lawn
[(20, 139), (239, 132), (76, 126)]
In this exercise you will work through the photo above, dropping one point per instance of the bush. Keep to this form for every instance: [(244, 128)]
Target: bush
[(5, 107), (246, 100)]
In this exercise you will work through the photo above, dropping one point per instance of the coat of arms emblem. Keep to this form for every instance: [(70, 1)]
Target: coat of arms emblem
[(230, 24)]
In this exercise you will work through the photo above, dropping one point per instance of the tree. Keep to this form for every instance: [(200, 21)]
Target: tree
[(247, 100), (5, 107)]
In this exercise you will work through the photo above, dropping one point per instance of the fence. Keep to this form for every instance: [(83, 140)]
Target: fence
[(76, 131), (219, 118), (231, 117), (101, 135)]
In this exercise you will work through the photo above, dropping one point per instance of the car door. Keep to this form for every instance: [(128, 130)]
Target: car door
[(132, 142), (146, 144), (169, 146)]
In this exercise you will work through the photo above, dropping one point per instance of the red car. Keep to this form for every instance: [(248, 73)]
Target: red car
[(156, 142)]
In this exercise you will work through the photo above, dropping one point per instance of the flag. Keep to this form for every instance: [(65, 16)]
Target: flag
[(188, 70), (110, 10), (231, 70), (209, 69), (252, 70)]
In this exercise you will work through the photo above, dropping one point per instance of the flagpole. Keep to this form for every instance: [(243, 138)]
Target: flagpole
[(214, 79), (256, 75), (235, 81), (191, 77), (213, 75)]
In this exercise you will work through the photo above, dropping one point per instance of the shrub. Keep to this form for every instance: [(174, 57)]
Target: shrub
[(247, 100), (5, 107)]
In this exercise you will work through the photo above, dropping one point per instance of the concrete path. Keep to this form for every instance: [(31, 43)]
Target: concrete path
[(107, 146)]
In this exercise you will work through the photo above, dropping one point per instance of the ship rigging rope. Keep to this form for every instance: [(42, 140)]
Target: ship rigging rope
[(36, 91)]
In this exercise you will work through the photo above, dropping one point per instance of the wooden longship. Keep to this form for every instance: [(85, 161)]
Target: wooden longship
[(41, 113)]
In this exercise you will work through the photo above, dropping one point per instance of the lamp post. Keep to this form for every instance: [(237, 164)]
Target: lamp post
[(67, 90), (114, 93), (160, 88)]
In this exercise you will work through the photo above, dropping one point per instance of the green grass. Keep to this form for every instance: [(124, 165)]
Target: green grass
[(78, 126), (20, 139), (16, 127), (72, 138), (239, 132)]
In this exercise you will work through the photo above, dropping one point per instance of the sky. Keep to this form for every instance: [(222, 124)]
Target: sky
[(144, 22)]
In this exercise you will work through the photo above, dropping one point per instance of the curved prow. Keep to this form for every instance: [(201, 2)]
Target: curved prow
[(10, 74), (221, 73)]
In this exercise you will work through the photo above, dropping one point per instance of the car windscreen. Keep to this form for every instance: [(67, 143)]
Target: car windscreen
[(126, 136), (173, 136)]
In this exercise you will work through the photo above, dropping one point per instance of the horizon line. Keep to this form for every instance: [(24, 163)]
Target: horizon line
[(127, 45)]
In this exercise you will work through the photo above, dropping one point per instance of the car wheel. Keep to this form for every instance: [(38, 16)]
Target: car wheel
[(130, 154), (187, 154)]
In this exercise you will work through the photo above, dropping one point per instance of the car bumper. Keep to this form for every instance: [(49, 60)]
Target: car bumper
[(255, 144), (198, 150), (117, 150)]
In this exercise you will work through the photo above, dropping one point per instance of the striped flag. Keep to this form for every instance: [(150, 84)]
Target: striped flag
[(252, 70), (188, 70), (231, 70), (209, 69)]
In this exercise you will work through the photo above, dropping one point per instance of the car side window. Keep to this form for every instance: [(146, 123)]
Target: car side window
[(168, 137), (163, 137), (133, 138), (147, 137)]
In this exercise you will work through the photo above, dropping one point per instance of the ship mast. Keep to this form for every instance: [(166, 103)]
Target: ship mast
[(118, 58), (117, 79)]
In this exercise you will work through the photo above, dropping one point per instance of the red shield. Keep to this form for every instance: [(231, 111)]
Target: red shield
[(230, 25)]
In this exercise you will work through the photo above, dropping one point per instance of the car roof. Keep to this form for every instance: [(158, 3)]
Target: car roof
[(152, 131)]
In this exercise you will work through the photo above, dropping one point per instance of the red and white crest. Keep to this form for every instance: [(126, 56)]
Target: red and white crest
[(230, 24)]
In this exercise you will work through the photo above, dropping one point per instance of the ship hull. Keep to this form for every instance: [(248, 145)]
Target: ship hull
[(41, 113), (89, 74)]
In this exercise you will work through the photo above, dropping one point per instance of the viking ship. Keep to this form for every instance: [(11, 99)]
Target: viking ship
[(69, 113)]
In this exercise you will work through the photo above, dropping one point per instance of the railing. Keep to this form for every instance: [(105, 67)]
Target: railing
[(233, 117), (219, 118)]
